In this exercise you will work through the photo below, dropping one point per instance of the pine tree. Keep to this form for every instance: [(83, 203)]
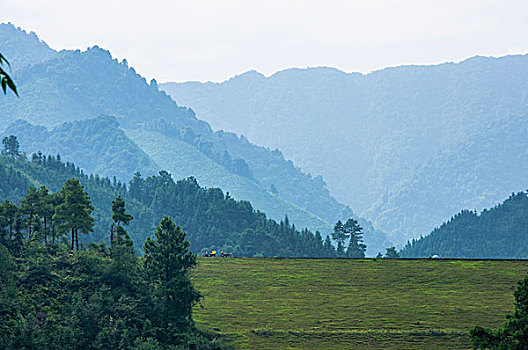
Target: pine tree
[(8, 211), (74, 213), (119, 216), (356, 247), (168, 260), (11, 147), (45, 210), (340, 237), (29, 206)]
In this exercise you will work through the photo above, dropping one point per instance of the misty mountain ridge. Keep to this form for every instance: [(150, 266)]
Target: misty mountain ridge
[(369, 134), (74, 86)]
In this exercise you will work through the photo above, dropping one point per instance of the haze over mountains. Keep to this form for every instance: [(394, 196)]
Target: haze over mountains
[(69, 98), (406, 147)]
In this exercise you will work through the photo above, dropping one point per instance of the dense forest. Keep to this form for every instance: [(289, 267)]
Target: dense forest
[(500, 232), (101, 147), (383, 140), (213, 220), (54, 297), (67, 86), (97, 145)]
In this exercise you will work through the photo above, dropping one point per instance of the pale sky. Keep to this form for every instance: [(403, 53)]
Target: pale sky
[(216, 39)]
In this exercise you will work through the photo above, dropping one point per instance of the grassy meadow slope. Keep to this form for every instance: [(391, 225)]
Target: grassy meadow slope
[(344, 304), (183, 160)]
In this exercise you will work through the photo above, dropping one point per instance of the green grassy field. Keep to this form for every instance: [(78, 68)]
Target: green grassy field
[(344, 304)]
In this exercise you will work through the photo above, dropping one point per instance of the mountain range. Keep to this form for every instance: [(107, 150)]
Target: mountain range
[(99, 113), (406, 147)]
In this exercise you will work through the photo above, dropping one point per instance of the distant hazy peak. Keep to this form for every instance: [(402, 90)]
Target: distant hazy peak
[(10, 29), (250, 74), (22, 48)]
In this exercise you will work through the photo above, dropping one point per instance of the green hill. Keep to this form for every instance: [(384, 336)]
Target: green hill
[(354, 304), (500, 232)]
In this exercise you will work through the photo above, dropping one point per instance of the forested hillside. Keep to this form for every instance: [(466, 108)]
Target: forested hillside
[(98, 146), (370, 136), (500, 232), (471, 174), (212, 219), (75, 85)]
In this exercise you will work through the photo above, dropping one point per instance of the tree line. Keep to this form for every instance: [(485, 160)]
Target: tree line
[(499, 232), (212, 218)]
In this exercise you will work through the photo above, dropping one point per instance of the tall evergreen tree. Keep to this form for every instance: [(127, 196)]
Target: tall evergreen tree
[(8, 211), (168, 261), (45, 210), (392, 253), (119, 217), (356, 247), (11, 146), (340, 236), (74, 213), (29, 206)]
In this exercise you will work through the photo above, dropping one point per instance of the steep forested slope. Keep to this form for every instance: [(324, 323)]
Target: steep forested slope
[(368, 133), (98, 146), (500, 232), (478, 171), (75, 85), (183, 160), (212, 219)]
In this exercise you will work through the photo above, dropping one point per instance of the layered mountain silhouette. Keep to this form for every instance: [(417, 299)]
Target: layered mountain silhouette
[(406, 147), (69, 98)]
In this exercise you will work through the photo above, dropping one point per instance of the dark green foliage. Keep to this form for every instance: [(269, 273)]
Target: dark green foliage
[(97, 145), (500, 232), (356, 247), (353, 233), (392, 253), (218, 222), (514, 335), (11, 146), (168, 261), (5, 80), (73, 214), (119, 217), (213, 220), (95, 298), (119, 214), (340, 237)]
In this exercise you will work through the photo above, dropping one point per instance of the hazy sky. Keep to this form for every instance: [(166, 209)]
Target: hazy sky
[(213, 40)]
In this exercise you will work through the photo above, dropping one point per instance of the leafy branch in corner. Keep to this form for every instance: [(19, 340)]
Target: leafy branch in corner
[(6, 80)]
